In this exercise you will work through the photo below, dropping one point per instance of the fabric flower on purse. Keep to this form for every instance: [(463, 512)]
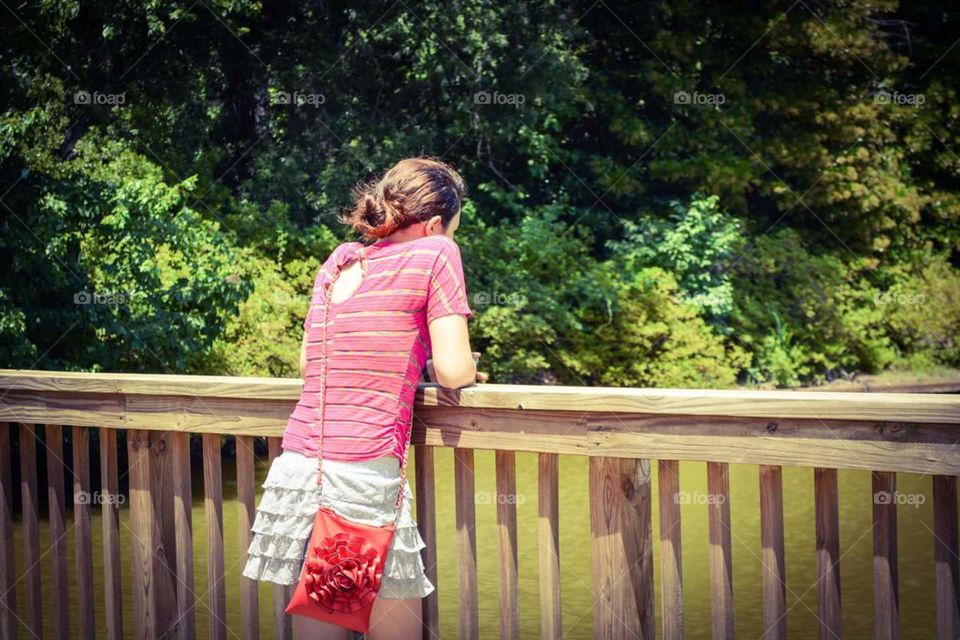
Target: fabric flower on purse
[(343, 573)]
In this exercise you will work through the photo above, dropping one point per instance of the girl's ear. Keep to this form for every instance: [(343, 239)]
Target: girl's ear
[(433, 226)]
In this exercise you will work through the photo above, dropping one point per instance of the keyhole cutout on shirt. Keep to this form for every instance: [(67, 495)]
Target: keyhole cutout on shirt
[(346, 283)]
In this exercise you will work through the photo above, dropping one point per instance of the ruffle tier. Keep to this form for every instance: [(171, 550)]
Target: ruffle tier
[(361, 491)]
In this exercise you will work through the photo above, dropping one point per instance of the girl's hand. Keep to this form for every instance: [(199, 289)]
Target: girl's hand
[(481, 376)]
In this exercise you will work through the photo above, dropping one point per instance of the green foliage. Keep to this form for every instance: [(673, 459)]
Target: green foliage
[(695, 243), (806, 215)]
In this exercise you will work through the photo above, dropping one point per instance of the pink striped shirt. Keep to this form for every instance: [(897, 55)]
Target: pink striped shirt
[(377, 345)]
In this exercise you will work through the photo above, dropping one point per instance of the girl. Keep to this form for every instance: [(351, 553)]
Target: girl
[(388, 306)]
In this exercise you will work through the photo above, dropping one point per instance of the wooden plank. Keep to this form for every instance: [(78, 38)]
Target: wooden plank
[(183, 524), (83, 537), (882, 444), (57, 551), (246, 513), (282, 623), (506, 472), (213, 509), (110, 517), (8, 578), (932, 408), (164, 533), (31, 530), (721, 557), (771, 553), (425, 479), (945, 550), (671, 557), (142, 537), (548, 535), (885, 572), (828, 552), (622, 539), (466, 543)]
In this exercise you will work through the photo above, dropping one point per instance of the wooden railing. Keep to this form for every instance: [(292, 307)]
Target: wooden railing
[(621, 430)]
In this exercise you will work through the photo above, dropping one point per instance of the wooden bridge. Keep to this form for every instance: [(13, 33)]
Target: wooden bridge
[(621, 430)]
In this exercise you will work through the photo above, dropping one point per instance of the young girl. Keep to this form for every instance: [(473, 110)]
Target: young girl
[(389, 305)]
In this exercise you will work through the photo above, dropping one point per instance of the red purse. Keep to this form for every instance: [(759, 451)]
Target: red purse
[(343, 564)]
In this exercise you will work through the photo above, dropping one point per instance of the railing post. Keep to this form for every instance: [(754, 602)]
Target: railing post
[(772, 553), (671, 558), (213, 508), (183, 523), (947, 566), (622, 539), (110, 515), (548, 511), (31, 529), (885, 570), (249, 609), (81, 519), (721, 555), (8, 595), (828, 552), (57, 506), (466, 542), (506, 472)]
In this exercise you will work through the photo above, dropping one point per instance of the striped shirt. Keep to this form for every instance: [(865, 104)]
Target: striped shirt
[(377, 343)]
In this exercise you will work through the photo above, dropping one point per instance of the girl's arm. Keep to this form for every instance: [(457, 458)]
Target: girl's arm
[(453, 362)]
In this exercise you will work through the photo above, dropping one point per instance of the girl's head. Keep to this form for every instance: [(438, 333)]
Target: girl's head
[(415, 190)]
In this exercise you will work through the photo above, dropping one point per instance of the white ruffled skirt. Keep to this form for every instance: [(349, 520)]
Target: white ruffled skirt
[(363, 491)]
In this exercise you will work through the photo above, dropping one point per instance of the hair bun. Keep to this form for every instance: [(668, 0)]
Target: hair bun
[(413, 190)]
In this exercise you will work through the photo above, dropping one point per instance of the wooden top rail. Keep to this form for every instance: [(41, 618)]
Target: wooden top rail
[(883, 431), (828, 406)]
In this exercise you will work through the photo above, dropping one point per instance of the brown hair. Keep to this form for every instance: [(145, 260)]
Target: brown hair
[(413, 190)]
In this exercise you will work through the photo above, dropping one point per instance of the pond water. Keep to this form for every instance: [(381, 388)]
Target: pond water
[(917, 586)]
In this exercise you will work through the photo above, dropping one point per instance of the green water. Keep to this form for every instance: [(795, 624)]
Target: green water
[(917, 589)]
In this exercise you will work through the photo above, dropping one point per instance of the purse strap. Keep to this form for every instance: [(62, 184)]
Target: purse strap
[(323, 389)]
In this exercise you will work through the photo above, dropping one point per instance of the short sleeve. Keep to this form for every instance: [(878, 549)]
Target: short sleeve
[(447, 290)]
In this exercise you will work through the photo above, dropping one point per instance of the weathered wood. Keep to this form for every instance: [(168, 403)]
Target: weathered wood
[(282, 623), (82, 501), (183, 523), (31, 530), (771, 553), (8, 594), (110, 516), (57, 551), (466, 543), (885, 572), (164, 533), (945, 550), (898, 432), (828, 552), (213, 509), (425, 479), (721, 557), (622, 539), (142, 534), (506, 472), (886, 407), (671, 558), (246, 513), (548, 536)]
